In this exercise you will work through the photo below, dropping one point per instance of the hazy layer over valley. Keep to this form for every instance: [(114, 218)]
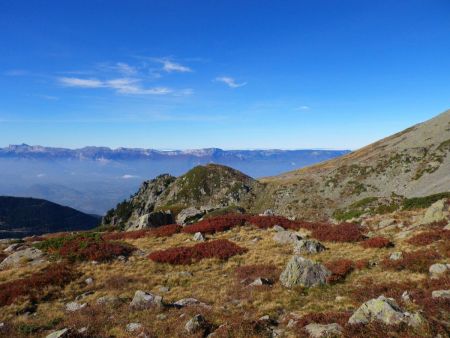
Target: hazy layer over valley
[(94, 179)]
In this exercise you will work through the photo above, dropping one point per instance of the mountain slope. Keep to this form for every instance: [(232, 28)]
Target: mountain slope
[(21, 217), (411, 163)]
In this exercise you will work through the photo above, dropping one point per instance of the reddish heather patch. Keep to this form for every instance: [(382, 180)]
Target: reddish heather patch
[(94, 250), (429, 237), (216, 224), (361, 264), (339, 268), (162, 231), (324, 318), (221, 248), (344, 232), (377, 242), (416, 261), (54, 275)]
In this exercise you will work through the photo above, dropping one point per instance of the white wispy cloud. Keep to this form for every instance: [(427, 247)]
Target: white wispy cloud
[(125, 69), (82, 83), (170, 66), (127, 176), (303, 108), (230, 82), (120, 85)]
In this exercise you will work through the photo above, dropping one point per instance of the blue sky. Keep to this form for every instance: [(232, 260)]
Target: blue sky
[(230, 74)]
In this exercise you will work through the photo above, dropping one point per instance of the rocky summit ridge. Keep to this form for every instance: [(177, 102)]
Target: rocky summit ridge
[(382, 175)]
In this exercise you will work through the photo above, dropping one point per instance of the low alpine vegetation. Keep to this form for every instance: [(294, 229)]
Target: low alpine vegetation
[(429, 237), (415, 261), (339, 268), (162, 231), (221, 249), (344, 232), (377, 242), (57, 275), (85, 247)]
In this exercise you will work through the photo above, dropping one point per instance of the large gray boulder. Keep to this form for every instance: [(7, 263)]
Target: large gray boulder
[(437, 212), (151, 220), (304, 272), (31, 256), (189, 215), (309, 246), (144, 300), (323, 330), (386, 311), (286, 237)]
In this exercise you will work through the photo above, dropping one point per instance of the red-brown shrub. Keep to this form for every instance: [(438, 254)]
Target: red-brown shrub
[(162, 231), (361, 264), (221, 248), (56, 275), (416, 261), (93, 249), (344, 232), (429, 237), (339, 268), (216, 224), (166, 230), (377, 242)]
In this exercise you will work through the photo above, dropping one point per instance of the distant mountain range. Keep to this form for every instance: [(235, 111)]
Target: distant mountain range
[(105, 153), (20, 217), (94, 179)]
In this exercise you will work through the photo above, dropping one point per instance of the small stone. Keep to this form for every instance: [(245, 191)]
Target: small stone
[(198, 237), (161, 316), (82, 330), (145, 300), (441, 294), (386, 222), (188, 302), (133, 327), (110, 300), (164, 289), (196, 324), (395, 256), (323, 330), (89, 281), (261, 281), (59, 334), (278, 228), (438, 269), (74, 306), (339, 299), (406, 297)]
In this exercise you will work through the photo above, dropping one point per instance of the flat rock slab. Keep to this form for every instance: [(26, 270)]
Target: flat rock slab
[(30, 256)]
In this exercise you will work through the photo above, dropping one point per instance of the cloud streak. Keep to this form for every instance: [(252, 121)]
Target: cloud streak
[(120, 85), (230, 82)]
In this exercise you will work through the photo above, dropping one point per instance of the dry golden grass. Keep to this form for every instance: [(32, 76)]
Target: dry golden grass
[(211, 281)]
